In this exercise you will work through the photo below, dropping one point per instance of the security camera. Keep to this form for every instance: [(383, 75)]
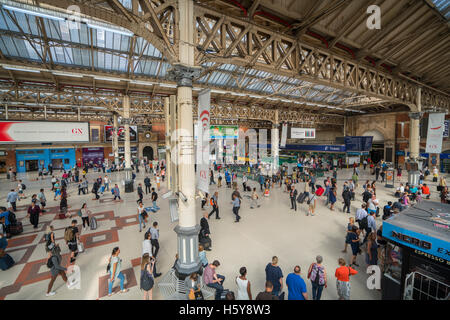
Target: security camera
[(182, 197), (167, 195)]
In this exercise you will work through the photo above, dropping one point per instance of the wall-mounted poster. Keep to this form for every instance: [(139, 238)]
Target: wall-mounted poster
[(121, 133)]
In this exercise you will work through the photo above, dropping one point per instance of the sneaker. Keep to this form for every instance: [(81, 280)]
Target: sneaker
[(157, 275), (72, 260), (52, 293), (218, 218)]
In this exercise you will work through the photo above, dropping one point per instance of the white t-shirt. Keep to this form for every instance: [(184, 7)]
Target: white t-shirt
[(106, 180), (157, 179), (242, 293), (373, 204), (147, 247)]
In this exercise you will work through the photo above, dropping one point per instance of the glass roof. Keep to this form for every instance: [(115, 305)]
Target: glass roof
[(72, 45)]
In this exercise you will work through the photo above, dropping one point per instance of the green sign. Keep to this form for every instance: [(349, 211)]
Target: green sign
[(224, 132)]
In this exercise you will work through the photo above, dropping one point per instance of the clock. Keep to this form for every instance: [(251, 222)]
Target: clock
[(148, 135)]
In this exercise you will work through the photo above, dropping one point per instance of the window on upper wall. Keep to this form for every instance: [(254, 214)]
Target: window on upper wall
[(95, 134)]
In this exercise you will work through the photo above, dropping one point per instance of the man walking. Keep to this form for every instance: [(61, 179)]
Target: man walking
[(236, 207), (12, 199), (293, 196), (296, 285), (148, 185), (154, 231), (140, 193), (154, 198), (215, 206)]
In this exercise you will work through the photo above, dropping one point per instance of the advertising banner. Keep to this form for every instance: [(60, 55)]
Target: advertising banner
[(121, 133), (303, 133), (283, 135), (203, 125), (358, 143), (224, 132), (43, 131), (435, 132), (446, 131)]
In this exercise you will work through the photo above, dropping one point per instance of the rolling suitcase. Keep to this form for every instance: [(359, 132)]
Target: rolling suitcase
[(223, 295), (249, 188), (16, 228), (6, 262), (301, 198), (93, 223)]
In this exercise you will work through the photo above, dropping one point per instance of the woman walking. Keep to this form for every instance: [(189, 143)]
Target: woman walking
[(318, 276), (372, 249), (114, 269), (33, 213), (333, 192), (49, 240), (354, 243), (243, 285), (147, 280), (342, 275), (347, 236), (85, 213)]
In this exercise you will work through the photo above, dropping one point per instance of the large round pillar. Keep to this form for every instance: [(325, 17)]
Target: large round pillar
[(275, 144), (115, 139), (127, 147), (183, 73), (414, 142)]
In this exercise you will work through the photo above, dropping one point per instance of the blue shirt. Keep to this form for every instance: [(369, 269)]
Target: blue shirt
[(371, 223), (6, 215), (296, 287), (274, 274), (12, 196), (413, 190), (236, 202)]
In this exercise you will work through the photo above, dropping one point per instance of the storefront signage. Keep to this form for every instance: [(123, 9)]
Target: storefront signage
[(121, 133), (43, 131), (313, 147), (303, 133), (433, 246), (358, 143)]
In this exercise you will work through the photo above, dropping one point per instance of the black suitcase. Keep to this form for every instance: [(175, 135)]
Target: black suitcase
[(206, 242), (249, 188), (6, 262), (16, 229), (301, 198), (223, 295)]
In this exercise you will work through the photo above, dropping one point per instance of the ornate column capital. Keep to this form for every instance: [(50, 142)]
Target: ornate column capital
[(416, 115), (183, 74)]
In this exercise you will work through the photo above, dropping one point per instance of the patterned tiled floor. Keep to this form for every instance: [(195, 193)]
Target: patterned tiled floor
[(273, 229)]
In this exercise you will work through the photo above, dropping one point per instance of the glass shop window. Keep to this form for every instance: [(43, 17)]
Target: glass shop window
[(95, 135), (66, 161)]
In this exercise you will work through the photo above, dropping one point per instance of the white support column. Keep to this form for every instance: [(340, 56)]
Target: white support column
[(115, 139), (79, 114), (414, 141), (275, 144), (167, 142), (45, 112), (6, 112), (127, 151), (188, 228)]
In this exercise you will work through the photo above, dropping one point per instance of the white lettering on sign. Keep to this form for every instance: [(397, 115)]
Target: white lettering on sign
[(374, 20)]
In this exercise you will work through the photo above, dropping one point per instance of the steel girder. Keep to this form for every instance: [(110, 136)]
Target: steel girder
[(227, 39)]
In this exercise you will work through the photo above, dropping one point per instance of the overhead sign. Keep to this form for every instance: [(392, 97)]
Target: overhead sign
[(435, 132), (224, 132), (446, 130), (204, 101), (358, 143), (43, 131), (120, 133), (315, 147), (283, 135), (303, 133)]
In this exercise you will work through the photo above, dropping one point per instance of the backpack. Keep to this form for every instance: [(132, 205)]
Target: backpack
[(319, 275), (24, 186), (50, 262), (363, 223), (12, 218), (146, 279), (68, 234), (211, 202)]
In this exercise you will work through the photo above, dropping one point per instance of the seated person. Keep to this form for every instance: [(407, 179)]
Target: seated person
[(387, 210), (413, 192), (426, 190), (6, 261)]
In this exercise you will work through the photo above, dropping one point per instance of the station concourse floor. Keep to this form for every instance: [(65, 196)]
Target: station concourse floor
[(272, 229)]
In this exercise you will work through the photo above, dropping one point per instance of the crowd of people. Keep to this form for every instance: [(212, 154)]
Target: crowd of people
[(362, 234)]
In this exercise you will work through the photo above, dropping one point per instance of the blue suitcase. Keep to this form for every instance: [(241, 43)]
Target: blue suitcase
[(6, 262)]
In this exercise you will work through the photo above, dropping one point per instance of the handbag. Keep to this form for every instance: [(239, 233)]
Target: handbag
[(80, 247), (191, 294)]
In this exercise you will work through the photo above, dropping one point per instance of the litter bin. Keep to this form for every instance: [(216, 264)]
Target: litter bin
[(129, 186), (389, 178)]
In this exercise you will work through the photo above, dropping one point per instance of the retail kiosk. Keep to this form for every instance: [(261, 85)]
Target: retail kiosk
[(416, 258)]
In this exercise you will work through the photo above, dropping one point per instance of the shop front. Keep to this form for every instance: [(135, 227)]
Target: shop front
[(445, 162), (416, 258), (92, 156), (30, 160)]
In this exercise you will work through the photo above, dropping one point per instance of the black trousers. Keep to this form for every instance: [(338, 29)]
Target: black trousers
[(216, 210), (203, 203), (155, 244), (85, 220), (236, 212), (293, 204), (34, 219), (14, 206), (346, 205), (141, 196), (81, 190), (147, 187)]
